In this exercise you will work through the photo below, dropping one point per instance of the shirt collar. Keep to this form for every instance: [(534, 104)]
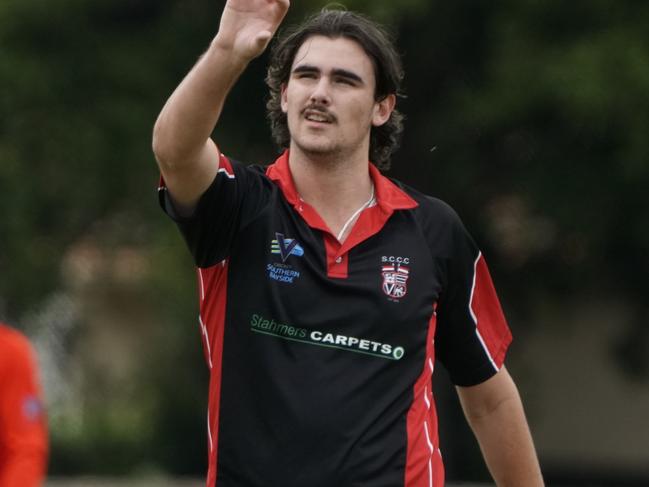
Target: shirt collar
[(389, 196)]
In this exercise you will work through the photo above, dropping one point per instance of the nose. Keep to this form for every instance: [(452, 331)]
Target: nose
[(321, 94)]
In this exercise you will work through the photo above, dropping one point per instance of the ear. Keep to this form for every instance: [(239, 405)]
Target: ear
[(383, 109), (283, 98)]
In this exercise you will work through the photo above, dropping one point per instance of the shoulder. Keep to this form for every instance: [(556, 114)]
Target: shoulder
[(14, 346), (430, 209), (236, 169), (12, 339), (438, 222)]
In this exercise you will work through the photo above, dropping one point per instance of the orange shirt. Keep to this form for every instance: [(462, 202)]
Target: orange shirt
[(23, 428)]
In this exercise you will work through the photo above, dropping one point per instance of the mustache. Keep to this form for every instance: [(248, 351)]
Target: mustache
[(319, 109)]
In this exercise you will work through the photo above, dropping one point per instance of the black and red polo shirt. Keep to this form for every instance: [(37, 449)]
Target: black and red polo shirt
[(321, 353)]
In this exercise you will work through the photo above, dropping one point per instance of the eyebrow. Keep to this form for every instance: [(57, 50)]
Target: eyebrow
[(343, 73)]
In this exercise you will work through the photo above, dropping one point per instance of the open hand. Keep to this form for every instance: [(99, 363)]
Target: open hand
[(248, 25)]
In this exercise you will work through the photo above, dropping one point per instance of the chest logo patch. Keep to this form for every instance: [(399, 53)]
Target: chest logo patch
[(285, 247), (395, 279)]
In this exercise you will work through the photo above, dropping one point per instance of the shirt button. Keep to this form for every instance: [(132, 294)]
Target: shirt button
[(339, 260)]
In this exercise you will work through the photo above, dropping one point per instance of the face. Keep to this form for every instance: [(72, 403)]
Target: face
[(329, 99)]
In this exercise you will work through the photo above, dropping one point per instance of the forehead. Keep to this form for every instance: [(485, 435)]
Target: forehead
[(327, 54)]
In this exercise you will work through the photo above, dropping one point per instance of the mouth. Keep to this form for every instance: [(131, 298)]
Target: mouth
[(317, 115)]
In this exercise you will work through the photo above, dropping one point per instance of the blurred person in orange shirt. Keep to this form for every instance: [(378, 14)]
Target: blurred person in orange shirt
[(23, 426)]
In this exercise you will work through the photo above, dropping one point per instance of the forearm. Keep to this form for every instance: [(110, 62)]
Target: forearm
[(495, 413), (507, 446), (191, 113), (181, 136)]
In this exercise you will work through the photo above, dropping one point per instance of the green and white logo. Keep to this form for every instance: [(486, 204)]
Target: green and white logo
[(259, 324)]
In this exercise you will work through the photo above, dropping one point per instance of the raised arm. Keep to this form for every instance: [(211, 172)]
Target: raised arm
[(495, 413), (187, 156)]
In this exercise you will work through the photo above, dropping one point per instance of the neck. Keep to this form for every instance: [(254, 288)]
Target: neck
[(336, 187)]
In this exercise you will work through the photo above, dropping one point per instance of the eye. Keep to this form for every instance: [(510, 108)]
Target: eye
[(345, 81)]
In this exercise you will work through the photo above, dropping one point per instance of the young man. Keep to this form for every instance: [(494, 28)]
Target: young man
[(23, 429), (326, 290)]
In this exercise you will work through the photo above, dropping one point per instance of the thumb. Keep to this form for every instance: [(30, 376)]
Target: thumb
[(260, 42)]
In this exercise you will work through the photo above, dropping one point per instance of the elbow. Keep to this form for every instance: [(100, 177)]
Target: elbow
[(161, 147), (168, 156), (171, 151)]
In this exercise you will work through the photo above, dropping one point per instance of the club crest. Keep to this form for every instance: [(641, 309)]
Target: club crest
[(395, 280)]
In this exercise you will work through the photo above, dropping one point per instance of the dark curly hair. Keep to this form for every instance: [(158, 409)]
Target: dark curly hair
[(376, 43)]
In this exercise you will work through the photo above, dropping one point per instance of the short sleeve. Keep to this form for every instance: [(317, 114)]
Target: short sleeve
[(472, 335), (235, 197)]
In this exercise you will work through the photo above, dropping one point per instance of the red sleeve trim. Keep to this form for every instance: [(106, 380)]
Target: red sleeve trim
[(488, 316)]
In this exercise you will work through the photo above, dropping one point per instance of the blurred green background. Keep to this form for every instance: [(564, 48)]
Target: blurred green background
[(529, 117)]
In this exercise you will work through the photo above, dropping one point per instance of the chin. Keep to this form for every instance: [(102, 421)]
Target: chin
[(317, 148)]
